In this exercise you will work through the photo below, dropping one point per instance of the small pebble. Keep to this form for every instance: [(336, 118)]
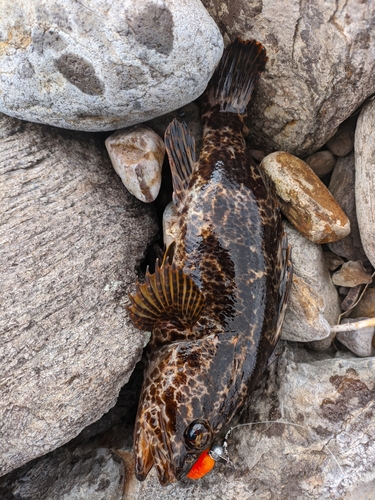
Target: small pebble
[(256, 154), (170, 224), (343, 141), (366, 306), (351, 297), (351, 274), (358, 341), (304, 199), (137, 155), (321, 162), (333, 261)]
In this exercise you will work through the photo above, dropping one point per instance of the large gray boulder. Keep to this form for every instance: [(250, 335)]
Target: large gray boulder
[(71, 236), (103, 64), (321, 66)]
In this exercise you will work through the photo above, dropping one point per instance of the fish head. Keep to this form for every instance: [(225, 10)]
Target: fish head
[(178, 416)]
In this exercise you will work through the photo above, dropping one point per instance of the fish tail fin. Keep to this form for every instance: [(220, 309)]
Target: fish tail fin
[(234, 79)]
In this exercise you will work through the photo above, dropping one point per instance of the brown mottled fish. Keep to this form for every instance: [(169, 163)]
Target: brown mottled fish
[(215, 310)]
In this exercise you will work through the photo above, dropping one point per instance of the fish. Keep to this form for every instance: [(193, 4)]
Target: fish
[(216, 303)]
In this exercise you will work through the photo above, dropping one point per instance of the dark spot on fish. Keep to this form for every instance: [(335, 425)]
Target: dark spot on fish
[(153, 27), (80, 73)]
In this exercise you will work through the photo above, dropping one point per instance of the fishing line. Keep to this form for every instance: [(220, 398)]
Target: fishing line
[(225, 444)]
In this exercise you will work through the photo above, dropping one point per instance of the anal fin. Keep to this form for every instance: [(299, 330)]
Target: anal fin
[(167, 295), (180, 147)]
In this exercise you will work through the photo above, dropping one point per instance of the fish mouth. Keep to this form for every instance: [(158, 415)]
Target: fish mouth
[(150, 451)]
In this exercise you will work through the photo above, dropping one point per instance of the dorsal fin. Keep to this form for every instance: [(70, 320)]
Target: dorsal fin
[(180, 147), (168, 295)]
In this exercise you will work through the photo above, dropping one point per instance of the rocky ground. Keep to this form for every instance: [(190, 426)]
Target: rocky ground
[(73, 239)]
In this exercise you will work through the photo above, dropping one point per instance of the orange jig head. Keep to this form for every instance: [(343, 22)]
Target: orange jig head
[(206, 461)]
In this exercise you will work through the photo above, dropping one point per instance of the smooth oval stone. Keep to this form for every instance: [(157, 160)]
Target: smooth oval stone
[(358, 341), (98, 65), (137, 155), (321, 162), (365, 178), (304, 199)]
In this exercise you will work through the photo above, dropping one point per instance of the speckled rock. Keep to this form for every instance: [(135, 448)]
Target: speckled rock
[(321, 66), (71, 237), (309, 264), (304, 320), (358, 341), (326, 452), (365, 178), (304, 199), (137, 155), (321, 162), (99, 65), (342, 187)]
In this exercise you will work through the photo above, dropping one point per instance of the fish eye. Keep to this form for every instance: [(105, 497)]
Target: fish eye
[(197, 434)]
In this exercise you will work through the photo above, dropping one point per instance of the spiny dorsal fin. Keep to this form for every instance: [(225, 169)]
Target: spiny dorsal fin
[(234, 79), (180, 147), (168, 295)]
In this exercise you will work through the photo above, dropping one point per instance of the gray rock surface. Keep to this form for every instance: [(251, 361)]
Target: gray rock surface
[(326, 453), (71, 236), (321, 66), (304, 320), (365, 178), (309, 264), (99, 65), (342, 187)]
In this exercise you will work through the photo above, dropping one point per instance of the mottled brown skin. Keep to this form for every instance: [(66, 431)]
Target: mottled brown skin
[(231, 242)]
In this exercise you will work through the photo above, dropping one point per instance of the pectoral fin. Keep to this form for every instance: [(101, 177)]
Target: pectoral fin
[(167, 295)]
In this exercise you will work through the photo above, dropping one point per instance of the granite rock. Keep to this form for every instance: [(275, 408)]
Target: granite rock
[(71, 237), (365, 178), (321, 66), (98, 65)]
